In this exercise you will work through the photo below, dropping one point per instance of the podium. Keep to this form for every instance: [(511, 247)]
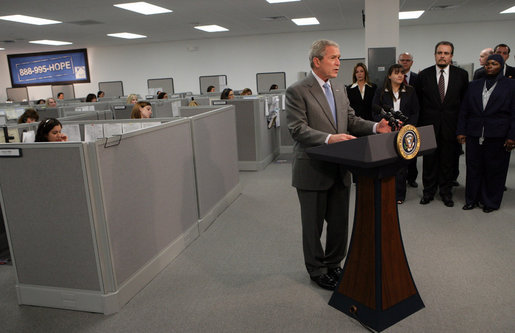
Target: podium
[(376, 287)]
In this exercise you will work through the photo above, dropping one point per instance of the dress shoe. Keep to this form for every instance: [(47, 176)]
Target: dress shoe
[(413, 184), (469, 206), (335, 273), (455, 183), (488, 209), (325, 281), (448, 202), (425, 200)]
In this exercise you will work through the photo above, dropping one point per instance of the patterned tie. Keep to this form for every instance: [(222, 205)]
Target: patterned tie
[(330, 99), (441, 85)]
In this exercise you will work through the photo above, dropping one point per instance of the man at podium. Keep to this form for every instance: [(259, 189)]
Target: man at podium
[(318, 112)]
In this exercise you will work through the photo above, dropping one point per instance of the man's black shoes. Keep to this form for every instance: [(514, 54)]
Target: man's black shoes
[(413, 184), (425, 200), (335, 273), (470, 206), (325, 281)]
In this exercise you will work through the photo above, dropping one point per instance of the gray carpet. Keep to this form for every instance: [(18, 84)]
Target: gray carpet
[(246, 272)]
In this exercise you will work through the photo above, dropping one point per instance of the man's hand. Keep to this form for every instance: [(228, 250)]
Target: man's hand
[(383, 127), (340, 137), (461, 138), (509, 144)]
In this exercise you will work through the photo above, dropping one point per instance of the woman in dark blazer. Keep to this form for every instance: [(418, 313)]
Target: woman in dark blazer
[(487, 124), (361, 92), (400, 97)]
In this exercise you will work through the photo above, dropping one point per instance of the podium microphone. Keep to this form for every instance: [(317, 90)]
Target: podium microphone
[(388, 116)]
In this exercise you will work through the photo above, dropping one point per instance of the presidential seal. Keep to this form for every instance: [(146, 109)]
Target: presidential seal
[(408, 142)]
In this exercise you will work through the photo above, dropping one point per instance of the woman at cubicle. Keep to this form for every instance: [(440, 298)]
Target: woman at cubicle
[(29, 116), (162, 95), (361, 92), (49, 130), (51, 103), (41, 101), (141, 110), (100, 94), (246, 92), (132, 99), (91, 98), (227, 93), (211, 89)]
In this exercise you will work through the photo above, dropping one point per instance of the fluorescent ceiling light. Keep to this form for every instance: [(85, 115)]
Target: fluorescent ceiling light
[(142, 7), (211, 28), (305, 21), (509, 10), (50, 42), (28, 19), (414, 14), (280, 1), (126, 35), (1, 49)]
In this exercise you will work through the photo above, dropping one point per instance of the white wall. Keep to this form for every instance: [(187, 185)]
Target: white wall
[(242, 57)]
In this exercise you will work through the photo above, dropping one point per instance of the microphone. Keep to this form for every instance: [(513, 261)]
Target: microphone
[(398, 115), (386, 115)]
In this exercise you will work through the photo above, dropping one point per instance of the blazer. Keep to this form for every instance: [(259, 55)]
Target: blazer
[(362, 106), (497, 118), (442, 115), (413, 79), (310, 121), (409, 103)]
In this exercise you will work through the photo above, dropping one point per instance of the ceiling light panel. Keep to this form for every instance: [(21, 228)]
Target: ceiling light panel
[(28, 19), (509, 10), (126, 35), (50, 42), (305, 21), (142, 7), (211, 28), (411, 15)]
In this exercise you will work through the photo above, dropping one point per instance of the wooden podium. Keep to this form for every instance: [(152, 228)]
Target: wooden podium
[(376, 286)]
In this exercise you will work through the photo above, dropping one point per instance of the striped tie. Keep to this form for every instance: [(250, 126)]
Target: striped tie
[(441, 85)]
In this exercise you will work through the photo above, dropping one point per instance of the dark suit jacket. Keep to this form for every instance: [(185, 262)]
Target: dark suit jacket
[(409, 103), (362, 106), (413, 79), (442, 115), (497, 118), (310, 121), (479, 73)]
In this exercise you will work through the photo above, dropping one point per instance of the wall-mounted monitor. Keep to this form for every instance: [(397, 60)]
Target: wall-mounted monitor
[(49, 68)]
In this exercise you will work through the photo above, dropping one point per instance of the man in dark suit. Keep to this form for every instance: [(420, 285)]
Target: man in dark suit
[(504, 51), (440, 91), (318, 112), (411, 78), (478, 73)]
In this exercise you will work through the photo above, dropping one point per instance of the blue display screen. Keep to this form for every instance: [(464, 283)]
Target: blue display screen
[(46, 68)]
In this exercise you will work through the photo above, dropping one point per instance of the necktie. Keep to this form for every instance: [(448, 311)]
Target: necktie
[(405, 79), (441, 86), (330, 99)]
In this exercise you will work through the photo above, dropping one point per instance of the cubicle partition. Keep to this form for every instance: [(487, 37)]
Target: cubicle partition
[(110, 214), (258, 145)]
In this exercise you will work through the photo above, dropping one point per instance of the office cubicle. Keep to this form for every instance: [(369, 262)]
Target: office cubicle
[(68, 91), (258, 145), (111, 88), (163, 84), (127, 205), (218, 81), (17, 94), (264, 81)]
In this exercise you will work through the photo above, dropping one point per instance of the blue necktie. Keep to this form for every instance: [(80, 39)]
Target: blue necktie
[(330, 99)]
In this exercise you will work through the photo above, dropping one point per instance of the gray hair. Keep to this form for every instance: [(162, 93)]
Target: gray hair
[(318, 49)]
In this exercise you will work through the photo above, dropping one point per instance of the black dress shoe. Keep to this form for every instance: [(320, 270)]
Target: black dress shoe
[(335, 273), (425, 200), (469, 206), (488, 209), (448, 202), (455, 183), (325, 281), (413, 184)]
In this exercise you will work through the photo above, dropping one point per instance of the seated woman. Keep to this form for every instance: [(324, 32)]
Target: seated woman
[(49, 130), (132, 99), (273, 87), (100, 94), (29, 116), (395, 94), (211, 89), (141, 110), (246, 92), (162, 95), (91, 98), (51, 103), (361, 92), (227, 93), (41, 101)]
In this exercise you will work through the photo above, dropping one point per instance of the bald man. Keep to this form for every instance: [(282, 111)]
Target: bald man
[(483, 55)]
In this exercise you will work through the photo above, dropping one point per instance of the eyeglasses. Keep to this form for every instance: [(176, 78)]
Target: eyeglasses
[(405, 60)]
